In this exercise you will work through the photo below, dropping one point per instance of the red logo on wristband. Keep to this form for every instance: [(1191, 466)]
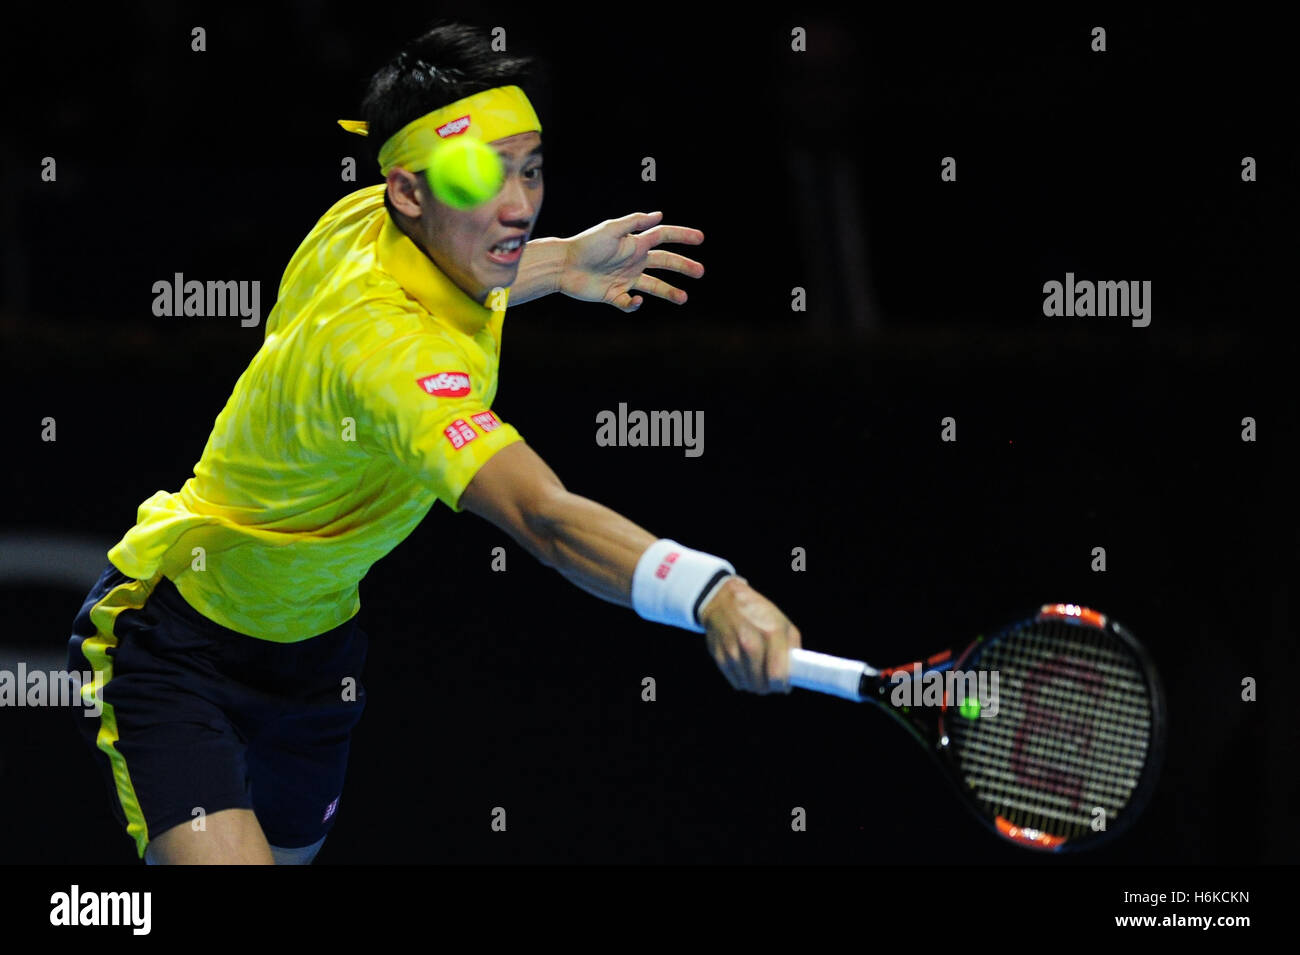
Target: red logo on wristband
[(667, 565)]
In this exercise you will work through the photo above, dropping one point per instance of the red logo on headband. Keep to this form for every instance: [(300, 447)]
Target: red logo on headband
[(455, 127)]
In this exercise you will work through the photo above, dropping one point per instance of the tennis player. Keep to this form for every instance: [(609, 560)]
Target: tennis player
[(224, 625)]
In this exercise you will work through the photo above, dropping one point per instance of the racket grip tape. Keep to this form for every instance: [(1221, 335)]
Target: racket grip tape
[(827, 674)]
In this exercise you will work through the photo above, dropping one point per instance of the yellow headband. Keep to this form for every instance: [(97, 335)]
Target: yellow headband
[(490, 115)]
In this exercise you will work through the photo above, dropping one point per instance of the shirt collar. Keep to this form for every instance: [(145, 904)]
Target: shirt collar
[(429, 285)]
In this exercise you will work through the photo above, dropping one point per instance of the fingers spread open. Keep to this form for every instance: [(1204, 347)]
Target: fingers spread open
[(663, 259), (638, 221), (653, 286), (627, 303), (676, 234)]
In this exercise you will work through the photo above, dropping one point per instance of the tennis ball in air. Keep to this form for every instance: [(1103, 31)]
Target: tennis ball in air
[(465, 172)]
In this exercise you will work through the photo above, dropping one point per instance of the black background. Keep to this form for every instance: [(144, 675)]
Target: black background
[(818, 170)]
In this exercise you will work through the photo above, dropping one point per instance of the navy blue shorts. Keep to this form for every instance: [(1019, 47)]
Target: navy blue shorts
[(197, 718)]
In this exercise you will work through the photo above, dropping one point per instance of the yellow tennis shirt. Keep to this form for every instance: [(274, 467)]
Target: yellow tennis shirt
[(369, 400)]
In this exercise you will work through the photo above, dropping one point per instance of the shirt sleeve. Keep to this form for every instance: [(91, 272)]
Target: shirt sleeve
[(421, 404)]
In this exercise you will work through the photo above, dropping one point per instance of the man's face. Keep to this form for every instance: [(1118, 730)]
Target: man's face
[(466, 244)]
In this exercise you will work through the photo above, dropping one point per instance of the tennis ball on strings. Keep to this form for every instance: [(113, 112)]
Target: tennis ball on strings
[(465, 172)]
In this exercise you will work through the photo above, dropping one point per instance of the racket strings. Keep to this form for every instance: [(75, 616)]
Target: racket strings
[(1071, 732)]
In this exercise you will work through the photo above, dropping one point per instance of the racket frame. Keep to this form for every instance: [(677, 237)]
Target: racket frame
[(927, 724)]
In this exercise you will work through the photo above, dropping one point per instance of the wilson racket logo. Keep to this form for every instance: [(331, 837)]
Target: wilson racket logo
[(455, 127), (1052, 743), (445, 384)]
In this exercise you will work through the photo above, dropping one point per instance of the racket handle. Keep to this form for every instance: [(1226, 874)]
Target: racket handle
[(827, 674)]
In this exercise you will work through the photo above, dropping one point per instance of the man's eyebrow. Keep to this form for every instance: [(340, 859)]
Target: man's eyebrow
[(536, 151)]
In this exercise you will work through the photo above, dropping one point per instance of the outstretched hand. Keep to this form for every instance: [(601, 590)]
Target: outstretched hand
[(608, 262)]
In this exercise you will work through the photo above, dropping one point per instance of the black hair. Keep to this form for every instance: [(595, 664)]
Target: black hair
[(448, 62)]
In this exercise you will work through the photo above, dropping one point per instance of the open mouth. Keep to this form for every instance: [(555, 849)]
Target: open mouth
[(508, 251)]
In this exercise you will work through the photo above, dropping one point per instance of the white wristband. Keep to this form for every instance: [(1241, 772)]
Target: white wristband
[(671, 581)]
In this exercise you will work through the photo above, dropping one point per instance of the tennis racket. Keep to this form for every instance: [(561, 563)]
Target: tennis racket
[(1051, 730)]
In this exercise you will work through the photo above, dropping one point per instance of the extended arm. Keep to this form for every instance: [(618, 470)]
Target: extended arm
[(599, 550), (595, 548)]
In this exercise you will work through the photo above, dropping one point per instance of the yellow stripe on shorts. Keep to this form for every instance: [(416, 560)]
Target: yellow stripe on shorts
[(129, 595)]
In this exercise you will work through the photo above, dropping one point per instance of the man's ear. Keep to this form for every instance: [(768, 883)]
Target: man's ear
[(404, 192)]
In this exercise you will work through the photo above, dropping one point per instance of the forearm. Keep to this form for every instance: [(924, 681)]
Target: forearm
[(540, 268), (594, 547)]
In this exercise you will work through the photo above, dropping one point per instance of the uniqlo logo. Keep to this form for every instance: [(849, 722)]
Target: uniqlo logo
[(445, 384), (460, 433), (331, 809), (455, 127), (486, 420), (667, 565)]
